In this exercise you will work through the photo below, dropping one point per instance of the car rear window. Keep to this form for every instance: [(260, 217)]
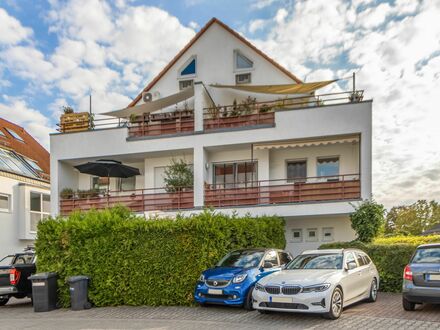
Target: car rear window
[(427, 256), (23, 259)]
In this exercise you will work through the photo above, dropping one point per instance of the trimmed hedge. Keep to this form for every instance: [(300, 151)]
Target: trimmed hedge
[(414, 240), (390, 260), (133, 261)]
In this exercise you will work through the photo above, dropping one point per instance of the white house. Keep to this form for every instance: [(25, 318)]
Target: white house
[(24, 187), (259, 140)]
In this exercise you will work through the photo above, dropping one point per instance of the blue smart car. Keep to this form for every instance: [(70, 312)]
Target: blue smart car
[(232, 281)]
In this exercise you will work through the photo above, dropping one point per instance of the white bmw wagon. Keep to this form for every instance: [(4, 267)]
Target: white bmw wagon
[(319, 281)]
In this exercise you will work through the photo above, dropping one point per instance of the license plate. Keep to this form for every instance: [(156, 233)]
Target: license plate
[(433, 277), (281, 299), (215, 291)]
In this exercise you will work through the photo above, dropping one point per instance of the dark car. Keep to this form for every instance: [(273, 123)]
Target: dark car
[(14, 272), (421, 277), (232, 280)]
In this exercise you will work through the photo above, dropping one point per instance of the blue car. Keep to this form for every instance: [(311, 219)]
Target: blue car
[(232, 280)]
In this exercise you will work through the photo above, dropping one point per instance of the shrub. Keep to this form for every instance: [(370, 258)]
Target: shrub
[(413, 240), (390, 260), (368, 220), (133, 261), (178, 176)]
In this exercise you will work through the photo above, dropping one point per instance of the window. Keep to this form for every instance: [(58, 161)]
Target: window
[(185, 84), (360, 259), (14, 134), (99, 183), (284, 258), (312, 235), (327, 234), (328, 167), (296, 170), (297, 235), (367, 259), (12, 162), (2, 134), (243, 78), (271, 257), (235, 175), (189, 68), (5, 205), (34, 165), (127, 183), (23, 259), (40, 209), (349, 258), (7, 261), (242, 62)]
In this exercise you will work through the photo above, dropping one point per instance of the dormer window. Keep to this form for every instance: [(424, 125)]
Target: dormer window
[(189, 68), (241, 62)]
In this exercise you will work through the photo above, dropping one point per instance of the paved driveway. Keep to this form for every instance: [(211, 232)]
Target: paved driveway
[(386, 313)]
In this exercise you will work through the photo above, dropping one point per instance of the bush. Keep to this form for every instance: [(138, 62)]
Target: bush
[(413, 240), (132, 261), (368, 220), (390, 260)]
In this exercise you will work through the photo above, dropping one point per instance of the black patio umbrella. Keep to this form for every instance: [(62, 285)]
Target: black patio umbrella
[(108, 168)]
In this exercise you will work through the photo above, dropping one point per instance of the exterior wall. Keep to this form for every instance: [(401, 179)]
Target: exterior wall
[(341, 225)]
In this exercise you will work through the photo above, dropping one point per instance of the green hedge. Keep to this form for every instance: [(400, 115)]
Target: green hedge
[(390, 260), (132, 261), (414, 240)]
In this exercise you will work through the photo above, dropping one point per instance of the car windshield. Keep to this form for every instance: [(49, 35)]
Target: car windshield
[(242, 259), (427, 256), (316, 261)]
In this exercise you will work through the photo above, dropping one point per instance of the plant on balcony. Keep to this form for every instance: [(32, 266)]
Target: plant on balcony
[(67, 193), (265, 108), (133, 118), (235, 110), (178, 176)]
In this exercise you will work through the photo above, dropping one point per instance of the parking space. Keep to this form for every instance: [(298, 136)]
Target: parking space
[(386, 313)]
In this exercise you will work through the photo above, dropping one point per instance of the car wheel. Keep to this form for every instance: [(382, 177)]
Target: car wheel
[(248, 302), (408, 305), (336, 305), (373, 291), (4, 301)]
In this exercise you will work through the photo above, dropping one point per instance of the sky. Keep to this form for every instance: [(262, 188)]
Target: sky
[(55, 53)]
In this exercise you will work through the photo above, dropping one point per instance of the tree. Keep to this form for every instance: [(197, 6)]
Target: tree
[(178, 176), (368, 220), (412, 219)]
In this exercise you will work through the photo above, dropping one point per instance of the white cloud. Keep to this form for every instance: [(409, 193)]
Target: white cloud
[(257, 24), (373, 16), (11, 30), (261, 4)]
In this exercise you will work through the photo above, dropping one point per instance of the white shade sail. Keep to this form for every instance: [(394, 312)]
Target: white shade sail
[(153, 105), (306, 143)]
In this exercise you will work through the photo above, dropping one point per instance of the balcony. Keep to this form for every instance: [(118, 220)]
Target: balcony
[(140, 200), (272, 192)]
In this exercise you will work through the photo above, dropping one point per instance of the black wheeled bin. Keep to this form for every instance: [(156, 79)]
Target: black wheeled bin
[(44, 291), (78, 286)]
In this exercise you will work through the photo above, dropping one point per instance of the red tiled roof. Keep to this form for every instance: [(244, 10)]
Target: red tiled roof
[(195, 38)]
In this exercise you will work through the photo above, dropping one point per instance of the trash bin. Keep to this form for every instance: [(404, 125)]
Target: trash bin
[(78, 286), (44, 291)]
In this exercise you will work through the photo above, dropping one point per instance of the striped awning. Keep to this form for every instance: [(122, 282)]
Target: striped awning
[(304, 88), (306, 143)]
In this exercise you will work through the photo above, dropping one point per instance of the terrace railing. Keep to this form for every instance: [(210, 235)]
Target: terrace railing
[(266, 192), (139, 200)]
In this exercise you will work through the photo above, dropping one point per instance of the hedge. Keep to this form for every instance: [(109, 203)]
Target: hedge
[(390, 260), (133, 261), (414, 240)]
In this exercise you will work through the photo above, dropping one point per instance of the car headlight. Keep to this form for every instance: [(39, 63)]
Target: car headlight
[(316, 288), (259, 287), (239, 278), (202, 278)]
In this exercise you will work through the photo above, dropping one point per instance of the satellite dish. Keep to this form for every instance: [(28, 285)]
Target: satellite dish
[(147, 97)]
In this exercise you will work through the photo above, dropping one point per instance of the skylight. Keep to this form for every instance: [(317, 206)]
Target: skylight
[(2, 134), (242, 62), (190, 68), (11, 162), (34, 165), (14, 134)]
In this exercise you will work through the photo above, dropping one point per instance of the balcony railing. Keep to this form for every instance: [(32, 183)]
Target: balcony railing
[(140, 200), (311, 189)]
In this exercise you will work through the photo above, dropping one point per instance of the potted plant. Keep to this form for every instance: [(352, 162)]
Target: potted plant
[(74, 122), (265, 108), (178, 176), (67, 193)]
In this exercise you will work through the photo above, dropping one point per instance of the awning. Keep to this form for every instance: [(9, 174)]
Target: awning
[(307, 143), (304, 88), (153, 105)]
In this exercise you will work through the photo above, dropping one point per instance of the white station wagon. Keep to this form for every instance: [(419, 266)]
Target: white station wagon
[(319, 281)]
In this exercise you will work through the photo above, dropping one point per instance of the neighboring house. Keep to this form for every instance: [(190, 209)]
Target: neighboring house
[(304, 157), (24, 187)]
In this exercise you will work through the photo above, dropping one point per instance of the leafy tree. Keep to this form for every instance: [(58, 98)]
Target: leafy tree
[(178, 176), (412, 219), (368, 220)]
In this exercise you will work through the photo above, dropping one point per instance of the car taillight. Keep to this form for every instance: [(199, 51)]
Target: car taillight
[(14, 276), (407, 273)]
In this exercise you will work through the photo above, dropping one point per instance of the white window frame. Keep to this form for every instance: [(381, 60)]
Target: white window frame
[(243, 70), (328, 178), (181, 88), (41, 212), (312, 239), (332, 232), (294, 239), (242, 83), (8, 210), (187, 76)]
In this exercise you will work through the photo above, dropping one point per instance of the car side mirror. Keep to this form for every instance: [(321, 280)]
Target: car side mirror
[(351, 265), (267, 265)]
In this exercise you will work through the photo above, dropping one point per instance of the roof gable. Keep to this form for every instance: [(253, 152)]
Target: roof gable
[(194, 40)]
